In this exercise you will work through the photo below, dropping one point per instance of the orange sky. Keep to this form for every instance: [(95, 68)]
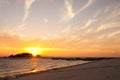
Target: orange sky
[(54, 47)]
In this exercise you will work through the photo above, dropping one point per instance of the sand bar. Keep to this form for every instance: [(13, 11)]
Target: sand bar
[(96, 70)]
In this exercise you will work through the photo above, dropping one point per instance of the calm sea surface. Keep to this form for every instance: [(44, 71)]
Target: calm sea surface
[(11, 67)]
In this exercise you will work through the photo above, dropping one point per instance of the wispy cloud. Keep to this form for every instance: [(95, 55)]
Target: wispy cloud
[(92, 31), (113, 34), (22, 26), (19, 28), (108, 26), (69, 14), (45, 20), (85, 6), (27, 6), (69, 10), (89, 22)]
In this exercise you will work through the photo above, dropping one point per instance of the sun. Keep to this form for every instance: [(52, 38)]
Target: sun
[(34, 50)]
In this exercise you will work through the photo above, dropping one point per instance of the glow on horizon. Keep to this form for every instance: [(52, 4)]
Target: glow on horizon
[(60, 27), (34, 50)]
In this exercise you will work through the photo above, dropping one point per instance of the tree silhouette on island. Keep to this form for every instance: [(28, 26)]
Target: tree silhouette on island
[(23, 55)]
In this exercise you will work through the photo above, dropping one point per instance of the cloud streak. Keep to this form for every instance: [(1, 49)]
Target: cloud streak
[(85, 6), (107, 26), (113, 34), (89, 22), (70, 14), (27, 6)]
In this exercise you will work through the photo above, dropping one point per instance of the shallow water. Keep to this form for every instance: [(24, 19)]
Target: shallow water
[(10, 67)]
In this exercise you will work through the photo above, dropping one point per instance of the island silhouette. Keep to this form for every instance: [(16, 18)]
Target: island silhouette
[(23, 55)]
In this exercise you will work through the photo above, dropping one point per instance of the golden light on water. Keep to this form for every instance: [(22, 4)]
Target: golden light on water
[(34, 70), (34, 50)]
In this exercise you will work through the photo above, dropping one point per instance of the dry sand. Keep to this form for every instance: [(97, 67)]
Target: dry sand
[(96, 70)]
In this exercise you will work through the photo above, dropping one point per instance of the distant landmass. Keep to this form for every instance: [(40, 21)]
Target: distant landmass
[(23, 55), (80, 58), (29, 55)]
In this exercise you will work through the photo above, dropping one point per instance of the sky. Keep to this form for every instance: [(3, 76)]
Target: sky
[(82, 28)]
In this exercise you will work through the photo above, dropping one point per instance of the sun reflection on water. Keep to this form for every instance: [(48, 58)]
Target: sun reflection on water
[(34, 70), (35, 63)]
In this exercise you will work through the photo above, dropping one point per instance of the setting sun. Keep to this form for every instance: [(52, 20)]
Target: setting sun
[(34, 50)]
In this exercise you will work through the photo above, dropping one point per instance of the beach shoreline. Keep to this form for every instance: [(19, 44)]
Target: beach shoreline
[(87, 71), (37, 72)]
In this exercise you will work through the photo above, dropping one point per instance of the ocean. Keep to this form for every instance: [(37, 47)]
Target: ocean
[(12, 67)]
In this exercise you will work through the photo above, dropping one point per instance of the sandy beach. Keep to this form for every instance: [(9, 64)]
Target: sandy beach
[(96, 70)]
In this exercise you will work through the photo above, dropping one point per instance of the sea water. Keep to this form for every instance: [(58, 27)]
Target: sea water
[(12, 67)]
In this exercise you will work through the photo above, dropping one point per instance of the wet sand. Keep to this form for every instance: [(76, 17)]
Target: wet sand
[(96, 70)]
